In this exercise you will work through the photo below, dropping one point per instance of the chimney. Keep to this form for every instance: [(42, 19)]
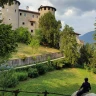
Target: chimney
[(27, 7)]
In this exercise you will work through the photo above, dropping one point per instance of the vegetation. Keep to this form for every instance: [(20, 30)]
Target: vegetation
[(7, 79), (33, 72), (64, 81), (25, 50), (86, 53), (7, 42), (34, 44), (22, 35), (69, 46), (50, 29)]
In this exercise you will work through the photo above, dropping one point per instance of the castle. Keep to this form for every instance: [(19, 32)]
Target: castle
[(23, 18)]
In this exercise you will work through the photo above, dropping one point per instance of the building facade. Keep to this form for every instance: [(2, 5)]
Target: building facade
[(23, 18)]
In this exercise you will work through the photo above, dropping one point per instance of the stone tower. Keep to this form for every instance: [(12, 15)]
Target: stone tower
[(10, 14), (44, 9)]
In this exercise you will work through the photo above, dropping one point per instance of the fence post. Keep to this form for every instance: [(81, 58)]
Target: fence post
[(16, 92), (45, 93)]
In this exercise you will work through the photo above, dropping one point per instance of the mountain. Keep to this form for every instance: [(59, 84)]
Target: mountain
[(88, 37)]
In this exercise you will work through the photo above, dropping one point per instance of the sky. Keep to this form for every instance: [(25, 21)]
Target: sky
[(79, 14)]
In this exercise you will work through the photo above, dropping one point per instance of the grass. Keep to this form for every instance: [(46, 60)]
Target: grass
[(28, 51), (64, 81)]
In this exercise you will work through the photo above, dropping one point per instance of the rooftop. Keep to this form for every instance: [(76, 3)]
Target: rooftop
[(29, 11)]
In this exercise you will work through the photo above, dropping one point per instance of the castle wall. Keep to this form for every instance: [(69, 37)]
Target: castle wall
[(28, 19), (10, 14)]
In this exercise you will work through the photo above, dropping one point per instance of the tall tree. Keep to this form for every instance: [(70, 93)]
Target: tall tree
[(7, 41), (86, 52), (68, 45), (49, 29)]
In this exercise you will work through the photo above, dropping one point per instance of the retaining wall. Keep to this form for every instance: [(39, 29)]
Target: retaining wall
[(33, 60)]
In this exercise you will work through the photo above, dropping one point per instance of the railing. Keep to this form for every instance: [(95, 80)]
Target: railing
[(45, 93)]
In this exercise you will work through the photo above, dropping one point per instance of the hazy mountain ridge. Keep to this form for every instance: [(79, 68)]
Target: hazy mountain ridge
[(88, 37)]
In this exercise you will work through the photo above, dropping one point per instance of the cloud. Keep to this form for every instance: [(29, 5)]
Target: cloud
[(34, 4), (82, 5)]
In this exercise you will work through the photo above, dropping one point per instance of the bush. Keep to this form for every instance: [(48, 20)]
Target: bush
[(22, 75), (32, 72), (58, 64), (50, 68), (13, 81), (42, 69), (8, 79), (22, 69), (94, 70), (22, 35)]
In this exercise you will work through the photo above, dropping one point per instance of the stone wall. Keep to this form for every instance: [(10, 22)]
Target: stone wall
[(33, 60)]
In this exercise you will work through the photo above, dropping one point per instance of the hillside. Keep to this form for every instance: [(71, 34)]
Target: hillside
[(65, 81), (88, 37), (27, 51)]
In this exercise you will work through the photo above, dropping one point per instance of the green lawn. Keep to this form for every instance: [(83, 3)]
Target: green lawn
[(64, 81)]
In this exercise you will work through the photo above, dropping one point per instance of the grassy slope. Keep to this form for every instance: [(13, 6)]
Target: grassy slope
[(64, 81), (28, 51)]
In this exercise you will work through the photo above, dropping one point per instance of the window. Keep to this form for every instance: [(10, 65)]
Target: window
[(24, 14), (23, 23), (33, 16), (32, 31), (20, 14), (32, 23), (48, 8), (44, 8)]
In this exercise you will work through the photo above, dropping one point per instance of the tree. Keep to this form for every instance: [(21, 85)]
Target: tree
[(3, 2), (50, 29), (86, 53), (35, 43), (68, 45), (7, 41), (23, 35)]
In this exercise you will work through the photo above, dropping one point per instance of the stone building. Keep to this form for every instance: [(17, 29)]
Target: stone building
[(23, 18)]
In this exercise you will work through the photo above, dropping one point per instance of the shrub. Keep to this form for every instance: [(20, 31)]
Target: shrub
[(58, 64), (50, 68), (22, 75), (8, 79), (22, 69), (94, 70), (32, 72), (13, 81), (22, 35), (42, 69)]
